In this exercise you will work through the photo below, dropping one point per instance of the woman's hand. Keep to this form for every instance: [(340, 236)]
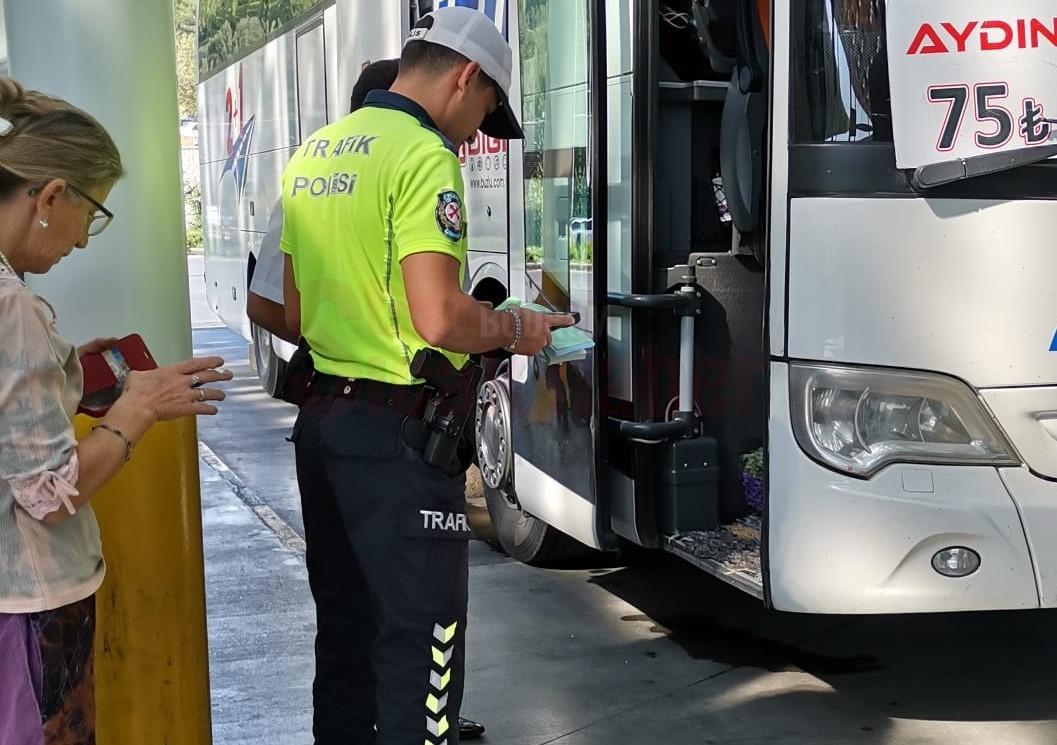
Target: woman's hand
[(176, 391), (96, 346), (167, 393)]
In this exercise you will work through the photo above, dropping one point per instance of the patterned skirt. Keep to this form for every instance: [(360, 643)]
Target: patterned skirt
[(47, 696)]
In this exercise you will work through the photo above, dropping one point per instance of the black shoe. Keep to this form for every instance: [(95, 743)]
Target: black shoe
[(469, 729)]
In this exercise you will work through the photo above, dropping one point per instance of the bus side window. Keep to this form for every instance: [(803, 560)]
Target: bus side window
[(311, 81)]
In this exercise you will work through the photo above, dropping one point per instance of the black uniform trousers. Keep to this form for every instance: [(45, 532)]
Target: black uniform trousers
[(387, 563)]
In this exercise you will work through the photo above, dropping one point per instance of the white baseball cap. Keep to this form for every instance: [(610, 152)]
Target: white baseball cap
[(473, 35)]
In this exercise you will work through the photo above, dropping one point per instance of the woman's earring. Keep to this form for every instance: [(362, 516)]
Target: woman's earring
[(44, 224)]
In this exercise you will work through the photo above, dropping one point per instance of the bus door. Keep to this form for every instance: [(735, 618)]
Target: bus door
[(554, 407), (641, 438), (687, 395)]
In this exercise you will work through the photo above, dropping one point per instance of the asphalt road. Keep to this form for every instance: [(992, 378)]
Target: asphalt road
[(659, 653)]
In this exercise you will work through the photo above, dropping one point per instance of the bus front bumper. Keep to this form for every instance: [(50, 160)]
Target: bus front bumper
[(838, 544)]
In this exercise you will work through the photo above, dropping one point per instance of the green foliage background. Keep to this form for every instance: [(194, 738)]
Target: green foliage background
[(752, 463), (186, 62), (229, 28), (185, 14)]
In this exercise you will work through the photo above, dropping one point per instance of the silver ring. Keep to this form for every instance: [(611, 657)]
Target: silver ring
[(201, 395), (195, 381)]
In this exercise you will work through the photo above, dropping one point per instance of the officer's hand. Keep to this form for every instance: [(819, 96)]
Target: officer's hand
[(536, 330)]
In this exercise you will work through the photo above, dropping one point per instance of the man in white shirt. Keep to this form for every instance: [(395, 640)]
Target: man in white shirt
[(264, 305)]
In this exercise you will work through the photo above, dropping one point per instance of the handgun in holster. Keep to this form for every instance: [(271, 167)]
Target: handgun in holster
[(300, 371), (453, 397)]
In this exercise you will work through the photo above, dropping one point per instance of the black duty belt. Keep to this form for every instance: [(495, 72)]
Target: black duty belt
[(408, 400)]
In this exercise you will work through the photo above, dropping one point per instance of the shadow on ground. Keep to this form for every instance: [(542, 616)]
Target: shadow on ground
[(982, 667)]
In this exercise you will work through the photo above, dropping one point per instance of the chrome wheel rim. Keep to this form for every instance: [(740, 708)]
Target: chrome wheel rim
[(493, 434), (262, 342)]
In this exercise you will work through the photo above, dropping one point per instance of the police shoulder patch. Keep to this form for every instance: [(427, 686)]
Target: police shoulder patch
[(449, 215)]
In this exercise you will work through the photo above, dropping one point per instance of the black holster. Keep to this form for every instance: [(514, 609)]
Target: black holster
[(445, 437), (300, 371)]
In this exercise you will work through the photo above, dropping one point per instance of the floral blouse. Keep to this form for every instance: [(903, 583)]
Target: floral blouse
[(42, 567)]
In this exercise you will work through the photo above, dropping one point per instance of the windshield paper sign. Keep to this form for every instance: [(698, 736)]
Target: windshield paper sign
[(971, 77)]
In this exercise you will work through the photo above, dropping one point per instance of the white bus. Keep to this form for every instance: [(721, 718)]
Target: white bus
[(813, 228), (268, 79)]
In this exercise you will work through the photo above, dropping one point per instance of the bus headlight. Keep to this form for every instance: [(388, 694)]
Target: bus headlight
[(859, 420)]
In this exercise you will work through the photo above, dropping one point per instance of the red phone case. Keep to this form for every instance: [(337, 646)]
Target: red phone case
[(104, 373)]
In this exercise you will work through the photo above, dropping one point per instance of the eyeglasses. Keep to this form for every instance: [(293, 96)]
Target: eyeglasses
[(99, 220)]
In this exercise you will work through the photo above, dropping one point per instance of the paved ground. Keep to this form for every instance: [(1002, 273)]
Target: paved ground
[(646, 654)]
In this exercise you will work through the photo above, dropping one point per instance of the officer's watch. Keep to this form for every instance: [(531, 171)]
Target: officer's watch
[(517, 329)]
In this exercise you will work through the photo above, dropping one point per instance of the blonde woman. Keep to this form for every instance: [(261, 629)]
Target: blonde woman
[(57, 167)]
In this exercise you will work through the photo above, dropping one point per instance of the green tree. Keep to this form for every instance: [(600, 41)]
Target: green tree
[(193, 216), (227, 29), (218, 31), (534, 62), (185, 12)]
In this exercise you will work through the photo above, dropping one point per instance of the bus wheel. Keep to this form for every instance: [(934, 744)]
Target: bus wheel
[(270, 367), (521, 535)]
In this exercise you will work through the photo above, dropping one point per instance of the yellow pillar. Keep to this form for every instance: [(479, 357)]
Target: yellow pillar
[(152, 676), (116, 59)]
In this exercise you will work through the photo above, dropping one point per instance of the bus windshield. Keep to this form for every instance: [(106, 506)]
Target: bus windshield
[(841, 95), (840, 72)]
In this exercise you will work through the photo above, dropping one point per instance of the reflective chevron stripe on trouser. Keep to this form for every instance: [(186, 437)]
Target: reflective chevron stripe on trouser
[(442, 648)]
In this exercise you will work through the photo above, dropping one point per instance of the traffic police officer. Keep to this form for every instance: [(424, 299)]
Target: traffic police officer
[(375, 238), (264, 302)]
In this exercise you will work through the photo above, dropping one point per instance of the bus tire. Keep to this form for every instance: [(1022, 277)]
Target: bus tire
[(271, 368), (522, 536), (528, 539)]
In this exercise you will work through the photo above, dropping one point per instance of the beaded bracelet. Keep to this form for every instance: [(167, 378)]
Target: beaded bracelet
[(517, 330), (119, 433)]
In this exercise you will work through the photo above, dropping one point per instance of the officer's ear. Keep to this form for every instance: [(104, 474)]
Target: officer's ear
[(468, 77)]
